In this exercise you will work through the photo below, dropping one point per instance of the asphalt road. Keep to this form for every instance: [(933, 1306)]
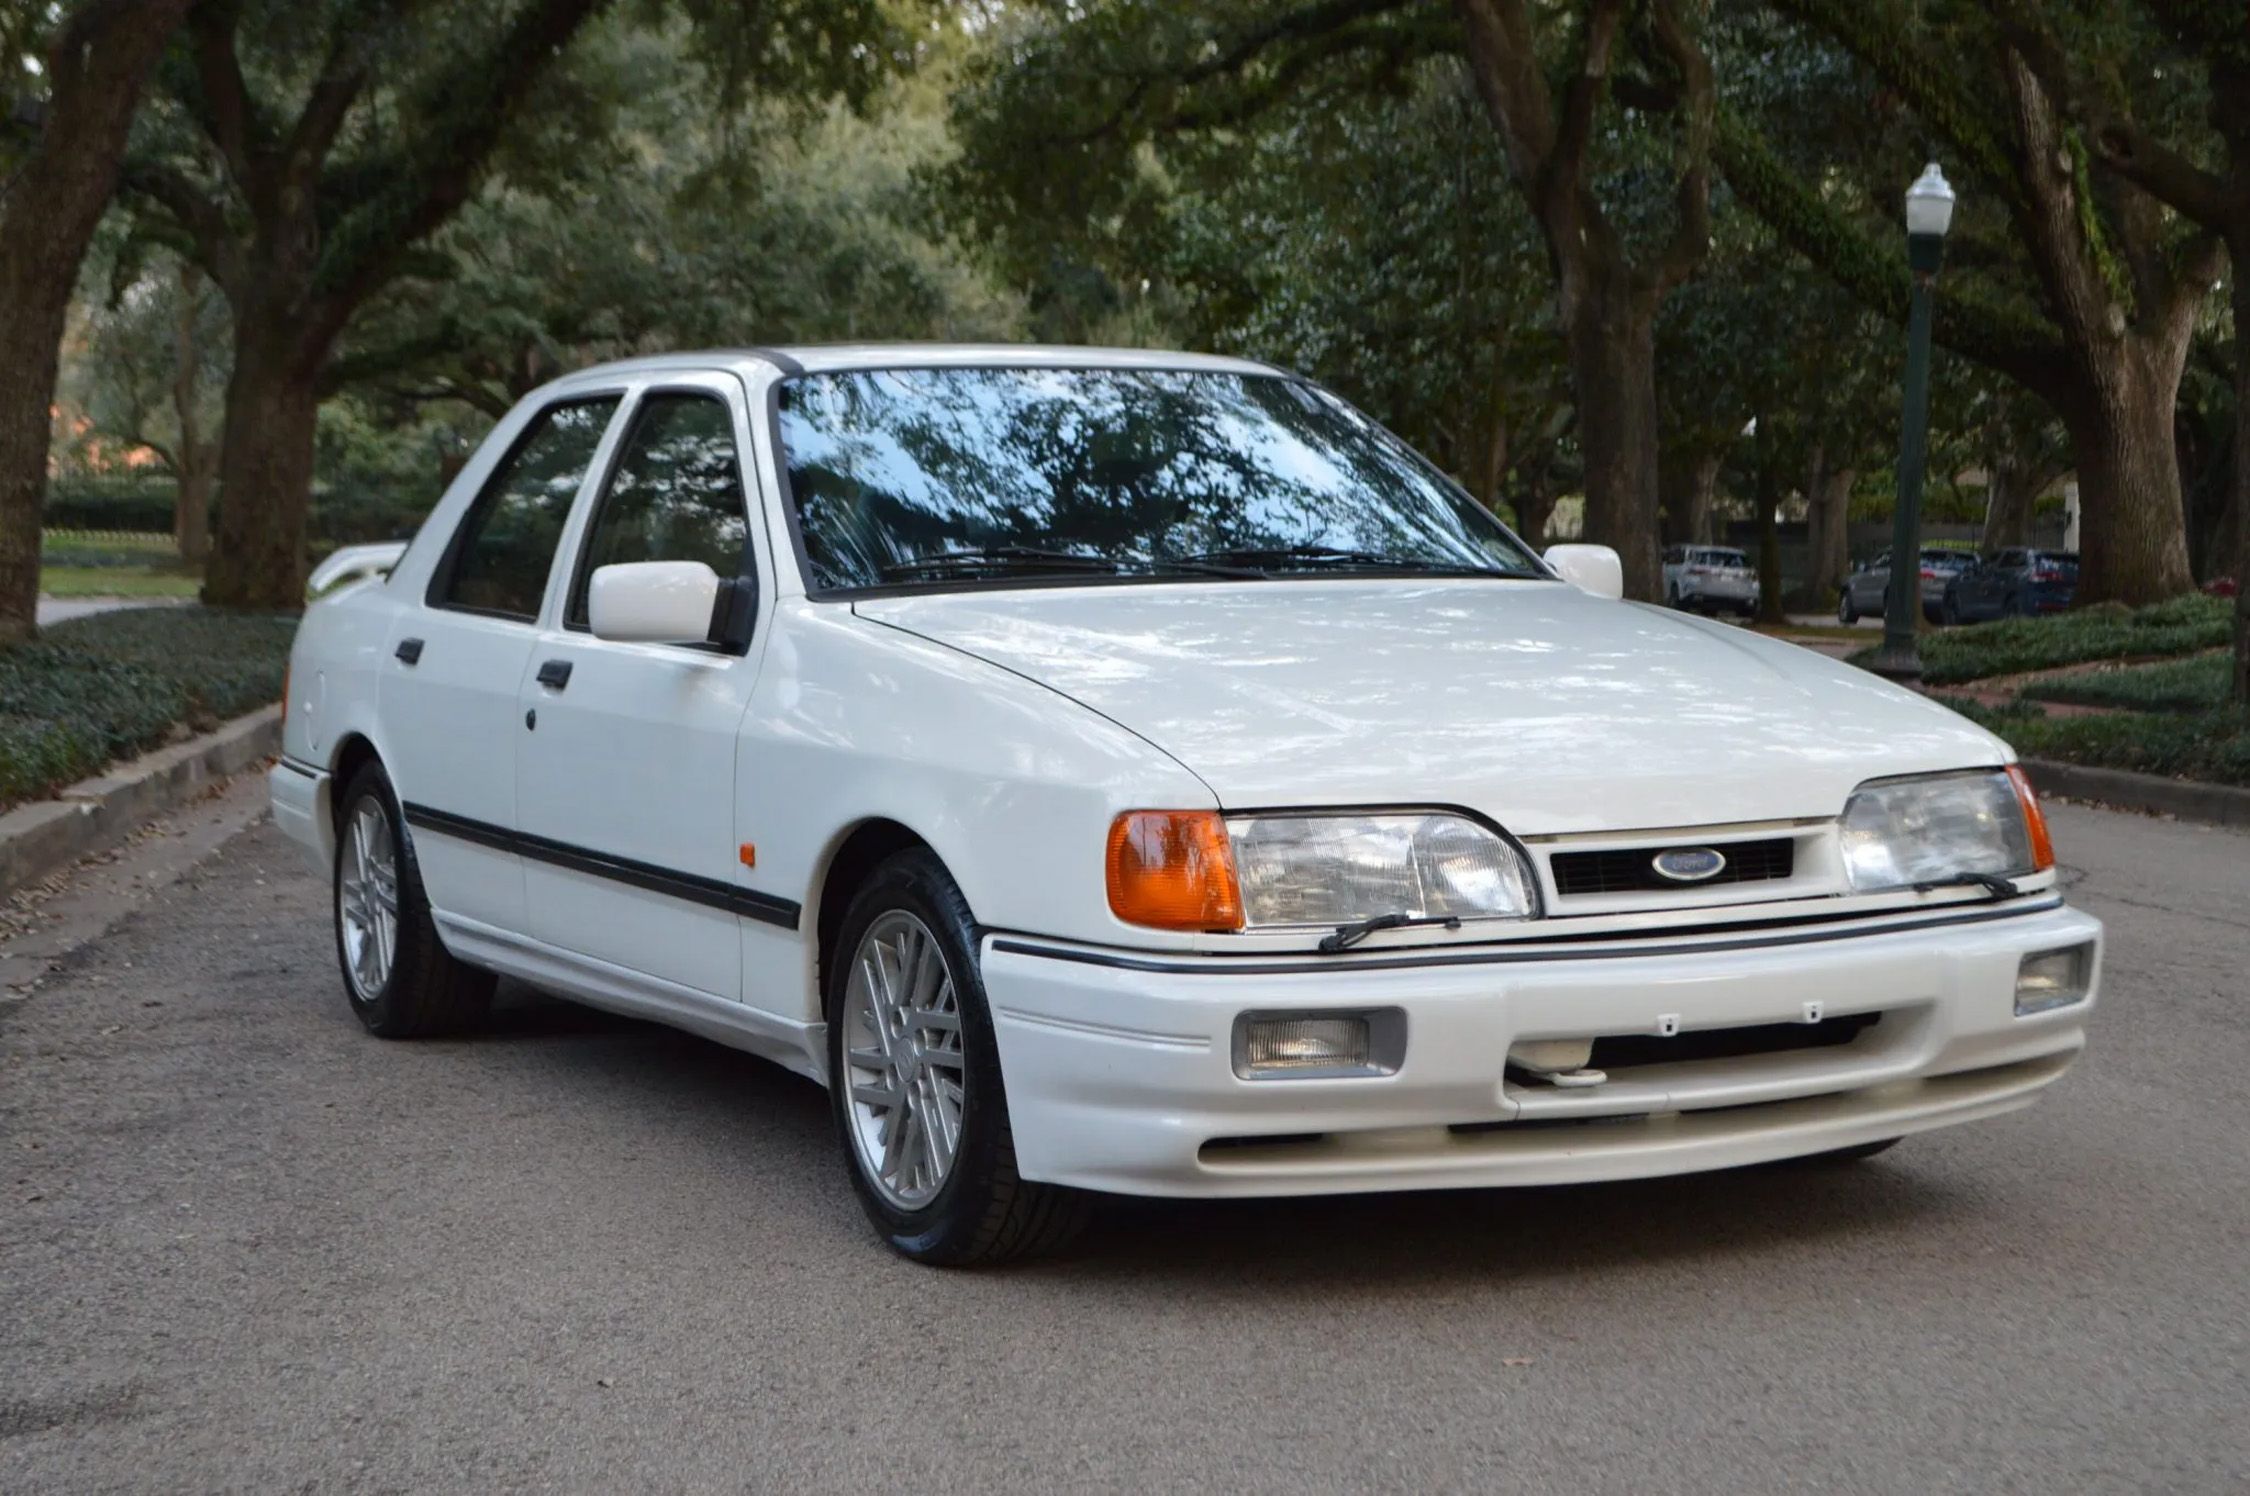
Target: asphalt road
[(244, 1246)]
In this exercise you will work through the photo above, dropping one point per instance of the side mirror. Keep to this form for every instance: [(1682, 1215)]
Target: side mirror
[(1589, 568), (653, 602)]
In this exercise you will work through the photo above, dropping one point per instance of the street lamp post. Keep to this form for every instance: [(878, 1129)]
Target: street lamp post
[(1929, 213)]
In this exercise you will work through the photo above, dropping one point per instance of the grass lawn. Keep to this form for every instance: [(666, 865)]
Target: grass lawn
[(115, 581), (93, 563), (2183, 625), (2198, 683), (97, 689), (2210, 746)]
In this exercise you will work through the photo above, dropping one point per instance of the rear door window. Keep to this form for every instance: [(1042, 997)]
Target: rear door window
[(500, 557)]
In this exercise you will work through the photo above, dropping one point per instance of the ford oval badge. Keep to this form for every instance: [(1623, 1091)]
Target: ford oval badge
[(1689, 864)]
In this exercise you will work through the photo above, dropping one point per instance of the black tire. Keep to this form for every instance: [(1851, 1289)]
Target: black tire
[(1672, 594), (426, 991), (1949, 611), (985, 1212)]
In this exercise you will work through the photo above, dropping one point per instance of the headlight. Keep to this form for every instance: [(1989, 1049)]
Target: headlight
[(1900, 832), (1335, 869)]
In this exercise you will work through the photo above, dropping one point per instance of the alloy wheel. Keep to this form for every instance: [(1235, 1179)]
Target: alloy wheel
[(367, 899), (904, 1067)]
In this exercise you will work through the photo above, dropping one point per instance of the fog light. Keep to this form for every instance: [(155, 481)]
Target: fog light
[(1313, 1045), (2054, 979)]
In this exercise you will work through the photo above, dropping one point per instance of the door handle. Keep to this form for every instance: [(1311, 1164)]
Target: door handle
[(554, 674), (409, 651)]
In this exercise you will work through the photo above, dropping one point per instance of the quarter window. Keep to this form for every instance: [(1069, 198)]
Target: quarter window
[(676, 495), (507, 541)]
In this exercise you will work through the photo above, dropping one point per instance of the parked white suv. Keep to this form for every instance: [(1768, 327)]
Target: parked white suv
[(1139, 772), (1708, 578)]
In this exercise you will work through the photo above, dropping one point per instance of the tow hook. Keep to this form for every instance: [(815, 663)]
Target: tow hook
[(1556, 1062)]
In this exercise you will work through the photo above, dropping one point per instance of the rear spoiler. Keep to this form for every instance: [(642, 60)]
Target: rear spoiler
[(355, 561)]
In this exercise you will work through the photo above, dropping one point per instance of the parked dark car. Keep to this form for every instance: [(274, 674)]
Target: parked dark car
[(2012, 583), (1864, 588)]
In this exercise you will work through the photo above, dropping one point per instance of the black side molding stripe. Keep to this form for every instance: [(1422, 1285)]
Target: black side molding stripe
[(297, 768), (1210, 965), (709, 892)]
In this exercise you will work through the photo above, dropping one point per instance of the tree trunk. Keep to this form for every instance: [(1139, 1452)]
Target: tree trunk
[(1767, 488), (265, 472), (1534, 506), (2007, 505), (2240, 276), (1828, 523), (2132, 524), (1612, 335), (48, 211), (191, 510)]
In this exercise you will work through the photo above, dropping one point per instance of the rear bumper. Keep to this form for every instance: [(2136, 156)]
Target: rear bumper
[(1123, 1079), (1718, 591), (300, 810)]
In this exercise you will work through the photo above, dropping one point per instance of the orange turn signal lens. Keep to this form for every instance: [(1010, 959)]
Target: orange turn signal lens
[(2034, 820), (1173, 870)]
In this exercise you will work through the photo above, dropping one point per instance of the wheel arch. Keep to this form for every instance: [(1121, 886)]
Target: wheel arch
[(855, 854), (354, 751)]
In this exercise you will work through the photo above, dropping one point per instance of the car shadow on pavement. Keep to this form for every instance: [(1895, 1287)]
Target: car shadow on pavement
[(1526, 1233), (746, 1108)]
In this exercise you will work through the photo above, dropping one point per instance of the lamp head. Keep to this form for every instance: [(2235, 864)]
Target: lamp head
[(1929, 203)]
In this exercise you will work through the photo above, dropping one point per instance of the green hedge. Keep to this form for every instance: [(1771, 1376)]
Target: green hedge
[(144, 506), (2210, 746), (2197, 684), (136, 504), (97, 689), (2181, 625)]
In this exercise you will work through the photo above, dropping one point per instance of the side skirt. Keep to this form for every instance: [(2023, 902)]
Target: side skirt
[(798, 1047)]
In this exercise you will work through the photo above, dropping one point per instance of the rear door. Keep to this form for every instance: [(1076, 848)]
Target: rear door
[(626, 784), (455, 666)]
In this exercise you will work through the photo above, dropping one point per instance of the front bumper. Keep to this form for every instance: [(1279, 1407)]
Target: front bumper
[(1120, 1073)]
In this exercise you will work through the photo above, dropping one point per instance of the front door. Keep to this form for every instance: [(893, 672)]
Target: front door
[(625, 788), (454, 666)]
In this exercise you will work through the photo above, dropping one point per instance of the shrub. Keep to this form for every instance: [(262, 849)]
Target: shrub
[(96, 689), (135, 504), (2198, 683), (2210, 746), (2180, 625)]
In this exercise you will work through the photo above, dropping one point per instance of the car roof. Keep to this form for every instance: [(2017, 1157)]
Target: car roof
[(823, 358)]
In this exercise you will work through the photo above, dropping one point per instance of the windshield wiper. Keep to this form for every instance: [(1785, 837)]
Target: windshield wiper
[(1991, 883), (1328, 555), (997, 558), (1346, 936), (1033, 558)]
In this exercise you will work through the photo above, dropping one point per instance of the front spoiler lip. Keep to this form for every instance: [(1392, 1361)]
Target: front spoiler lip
[(1610, 948)]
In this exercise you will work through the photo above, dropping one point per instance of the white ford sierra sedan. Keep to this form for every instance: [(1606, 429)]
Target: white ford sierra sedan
[(1141, 773)]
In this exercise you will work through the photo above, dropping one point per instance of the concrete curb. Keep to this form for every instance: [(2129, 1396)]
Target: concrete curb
[(95, 814), (2219, 804)]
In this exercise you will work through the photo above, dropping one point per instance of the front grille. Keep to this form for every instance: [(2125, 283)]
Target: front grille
[(1633, 870), (1624, 1051)]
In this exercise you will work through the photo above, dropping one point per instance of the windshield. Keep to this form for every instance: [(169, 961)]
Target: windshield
[(917, 475)]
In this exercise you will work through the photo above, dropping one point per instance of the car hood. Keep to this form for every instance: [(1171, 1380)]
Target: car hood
[(1541, 706)]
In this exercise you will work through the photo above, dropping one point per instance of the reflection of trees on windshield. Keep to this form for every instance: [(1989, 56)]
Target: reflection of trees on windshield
[(1129, 466)]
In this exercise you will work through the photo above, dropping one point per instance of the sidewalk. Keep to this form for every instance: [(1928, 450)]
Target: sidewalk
[(57, 609)]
